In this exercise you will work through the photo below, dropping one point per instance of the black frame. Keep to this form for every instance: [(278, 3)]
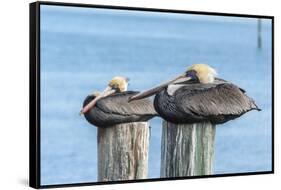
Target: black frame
[(34, 92)]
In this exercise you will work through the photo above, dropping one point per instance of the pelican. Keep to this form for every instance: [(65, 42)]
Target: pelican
[(111, 107), (198, 95)]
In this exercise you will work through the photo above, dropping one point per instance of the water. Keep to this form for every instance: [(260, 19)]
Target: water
[(82, 49)]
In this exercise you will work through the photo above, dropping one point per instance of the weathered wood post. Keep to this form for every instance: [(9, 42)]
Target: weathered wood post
[(123, 151), (259, 34), (187, 149)]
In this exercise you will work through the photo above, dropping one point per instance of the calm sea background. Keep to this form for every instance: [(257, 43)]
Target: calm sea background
[(82, 49)]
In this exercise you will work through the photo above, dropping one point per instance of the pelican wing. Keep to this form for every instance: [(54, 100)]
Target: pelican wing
[(212, 100), (118, 104)]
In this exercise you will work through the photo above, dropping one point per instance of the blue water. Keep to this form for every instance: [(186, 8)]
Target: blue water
[(82, 49)]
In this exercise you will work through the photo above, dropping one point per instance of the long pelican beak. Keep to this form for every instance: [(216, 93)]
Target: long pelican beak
[(91, 104), (152, 91)]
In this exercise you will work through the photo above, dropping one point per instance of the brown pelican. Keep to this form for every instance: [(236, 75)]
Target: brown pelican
[(112, 107), (197, 95)]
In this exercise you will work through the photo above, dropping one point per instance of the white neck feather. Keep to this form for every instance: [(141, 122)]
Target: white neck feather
[(126, 87), (173, 87)]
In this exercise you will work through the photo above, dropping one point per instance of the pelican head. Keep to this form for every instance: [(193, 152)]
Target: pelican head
[(116, 84), (200, 73), (120, 84)]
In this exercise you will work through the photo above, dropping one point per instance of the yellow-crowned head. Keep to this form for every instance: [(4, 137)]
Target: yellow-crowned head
[(202, 72), (119, 83), (116, 84)]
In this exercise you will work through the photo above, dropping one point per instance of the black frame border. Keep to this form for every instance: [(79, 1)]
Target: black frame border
[(34, 93)]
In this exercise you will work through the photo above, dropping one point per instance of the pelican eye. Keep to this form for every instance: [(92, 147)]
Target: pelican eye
[(192, 74), (114, 86)]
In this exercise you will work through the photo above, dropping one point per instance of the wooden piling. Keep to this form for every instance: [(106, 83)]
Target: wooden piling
[(259, 34), (123, 152), (187, 149)]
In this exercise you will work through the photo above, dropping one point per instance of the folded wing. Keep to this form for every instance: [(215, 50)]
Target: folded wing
[(217, 102), (118, 104)]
